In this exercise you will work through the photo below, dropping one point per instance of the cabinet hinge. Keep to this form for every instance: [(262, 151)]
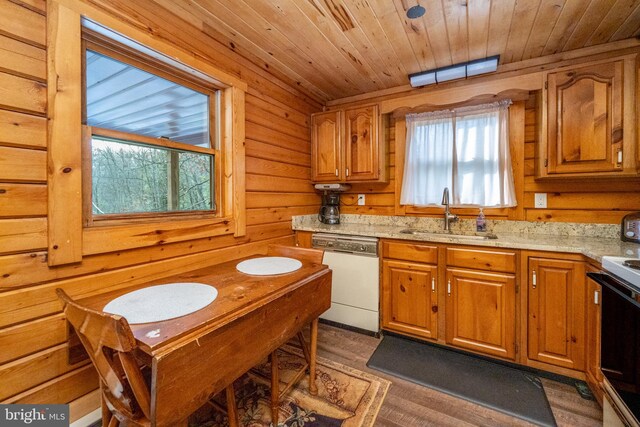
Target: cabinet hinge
[(546, 85), (546, 162), (517, 289)]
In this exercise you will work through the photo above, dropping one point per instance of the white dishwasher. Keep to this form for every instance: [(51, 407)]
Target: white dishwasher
[(355, 289)]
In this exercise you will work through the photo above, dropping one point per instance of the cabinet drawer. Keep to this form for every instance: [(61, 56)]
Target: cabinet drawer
[(410, 252), (481, 259)]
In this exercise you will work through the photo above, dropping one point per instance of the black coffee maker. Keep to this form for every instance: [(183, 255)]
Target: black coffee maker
[(330, 211)]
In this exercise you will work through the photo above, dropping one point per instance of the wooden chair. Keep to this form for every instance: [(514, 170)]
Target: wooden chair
[(313, 256), (112, 348)]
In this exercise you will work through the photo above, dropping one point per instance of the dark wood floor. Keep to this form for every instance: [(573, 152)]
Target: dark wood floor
[(408, 404)]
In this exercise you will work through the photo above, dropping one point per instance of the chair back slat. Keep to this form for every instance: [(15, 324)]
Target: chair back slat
[(304, 254), (110, 343)]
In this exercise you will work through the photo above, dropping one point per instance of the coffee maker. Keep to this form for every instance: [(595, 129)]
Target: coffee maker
[(330, 209)]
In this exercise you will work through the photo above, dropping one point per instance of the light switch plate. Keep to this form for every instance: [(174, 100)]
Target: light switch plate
[(360, 199), (540, 200)]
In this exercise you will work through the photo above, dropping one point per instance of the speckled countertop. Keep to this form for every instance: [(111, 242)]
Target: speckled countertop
[(591, 240)]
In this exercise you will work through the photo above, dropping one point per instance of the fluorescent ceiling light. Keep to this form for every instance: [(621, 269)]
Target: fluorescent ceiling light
[(451, 73), (422, 79), (482, 66), (456, 71)]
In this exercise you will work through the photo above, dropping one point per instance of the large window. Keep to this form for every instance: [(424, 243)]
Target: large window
[(465, 150), (151, 136)]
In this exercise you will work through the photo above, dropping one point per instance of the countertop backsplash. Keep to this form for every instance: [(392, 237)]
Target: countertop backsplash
[(606, 231)]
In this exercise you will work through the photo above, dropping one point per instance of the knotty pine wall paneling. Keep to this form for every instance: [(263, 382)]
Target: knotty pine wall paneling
[(33, 343), (582, 200)]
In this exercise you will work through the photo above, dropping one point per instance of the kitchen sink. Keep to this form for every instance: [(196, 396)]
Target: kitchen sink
[(478, 236)]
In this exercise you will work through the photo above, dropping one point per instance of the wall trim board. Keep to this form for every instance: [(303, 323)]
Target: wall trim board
[(64, 169)]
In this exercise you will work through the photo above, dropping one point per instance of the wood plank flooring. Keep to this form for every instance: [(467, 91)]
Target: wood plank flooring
[(408, 404)]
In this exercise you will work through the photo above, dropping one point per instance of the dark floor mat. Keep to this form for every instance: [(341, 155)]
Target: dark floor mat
[(495, 386)]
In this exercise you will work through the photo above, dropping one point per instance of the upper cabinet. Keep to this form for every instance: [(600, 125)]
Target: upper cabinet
[(588, 123), (326, 143), (345, 146)]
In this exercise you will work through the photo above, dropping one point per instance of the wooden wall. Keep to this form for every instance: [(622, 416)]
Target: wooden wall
[(33, 347), (583, 200)]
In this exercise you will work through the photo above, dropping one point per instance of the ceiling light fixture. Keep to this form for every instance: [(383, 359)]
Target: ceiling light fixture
[(454, 72), (415, 12)]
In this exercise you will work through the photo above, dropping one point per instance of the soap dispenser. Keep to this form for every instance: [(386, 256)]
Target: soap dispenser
[(481, 222)]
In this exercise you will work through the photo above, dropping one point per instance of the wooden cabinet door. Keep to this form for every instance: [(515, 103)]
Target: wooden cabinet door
[(556, 316), (409, 298), (584, 119), (326, 144), (361, 144), (594, 374), (480, 312)]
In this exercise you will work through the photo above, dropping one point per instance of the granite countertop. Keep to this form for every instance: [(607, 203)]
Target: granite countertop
[(593, 242)]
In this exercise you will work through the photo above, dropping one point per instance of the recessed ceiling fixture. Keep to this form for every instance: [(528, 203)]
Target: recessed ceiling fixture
[(456, 71), (415, 12)]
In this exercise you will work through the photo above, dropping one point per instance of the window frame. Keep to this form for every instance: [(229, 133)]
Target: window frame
[(68, 240), (103, 45), (516, 146)]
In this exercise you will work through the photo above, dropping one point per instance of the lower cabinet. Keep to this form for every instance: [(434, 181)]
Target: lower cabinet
[(476, 288), (556, 312), (410, 298), (480, 311)]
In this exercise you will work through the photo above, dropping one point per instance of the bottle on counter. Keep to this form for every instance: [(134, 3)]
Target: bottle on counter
[(481, 222)]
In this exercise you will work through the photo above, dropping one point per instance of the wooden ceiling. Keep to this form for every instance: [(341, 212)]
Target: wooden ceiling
[(337, 48)]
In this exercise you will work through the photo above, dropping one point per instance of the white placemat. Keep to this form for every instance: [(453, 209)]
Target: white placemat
[(162, 302), (267, 266)]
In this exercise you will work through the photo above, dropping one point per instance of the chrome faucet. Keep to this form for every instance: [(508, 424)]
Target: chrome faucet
[(448, 216)]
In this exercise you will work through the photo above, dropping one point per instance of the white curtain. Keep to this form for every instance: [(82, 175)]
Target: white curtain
[(466, 150)]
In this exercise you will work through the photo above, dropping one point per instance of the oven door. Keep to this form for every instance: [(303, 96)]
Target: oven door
[(620, 343)]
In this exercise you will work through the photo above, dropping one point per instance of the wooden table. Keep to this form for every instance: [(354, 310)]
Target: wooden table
[(198, 355)]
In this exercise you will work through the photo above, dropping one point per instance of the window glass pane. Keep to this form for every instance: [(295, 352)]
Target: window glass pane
[(134, 178), (429, 160), (478, 160), (125, 98)]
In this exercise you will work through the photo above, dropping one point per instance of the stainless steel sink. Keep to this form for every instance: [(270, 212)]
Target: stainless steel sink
[(478, 236)]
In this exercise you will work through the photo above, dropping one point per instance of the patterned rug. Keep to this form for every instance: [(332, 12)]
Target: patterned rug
[(346, 397)]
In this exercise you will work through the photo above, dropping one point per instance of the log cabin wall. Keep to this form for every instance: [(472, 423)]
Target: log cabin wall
[(33, 346), (584, 200)]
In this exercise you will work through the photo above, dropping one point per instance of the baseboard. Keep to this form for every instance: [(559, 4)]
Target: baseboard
[(349, 328)]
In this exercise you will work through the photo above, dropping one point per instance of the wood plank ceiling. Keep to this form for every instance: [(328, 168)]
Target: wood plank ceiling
[(333, 49)]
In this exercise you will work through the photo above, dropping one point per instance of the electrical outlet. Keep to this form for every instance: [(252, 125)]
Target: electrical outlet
[(360, 199), (541, 200)]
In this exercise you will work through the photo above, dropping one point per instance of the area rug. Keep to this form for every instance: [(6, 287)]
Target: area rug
[(496, 386), (346, 397)]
